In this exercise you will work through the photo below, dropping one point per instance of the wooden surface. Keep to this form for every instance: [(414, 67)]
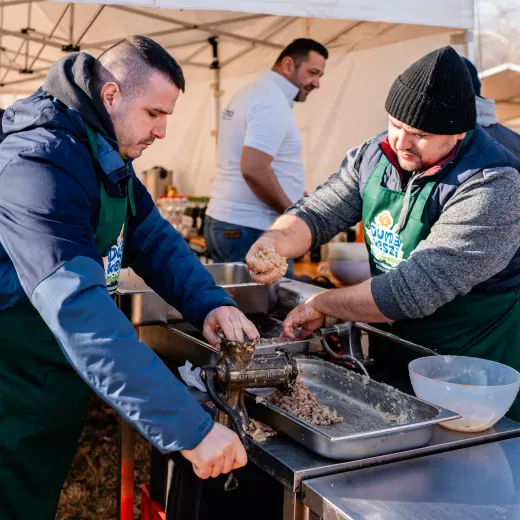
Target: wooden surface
[(306, 267)]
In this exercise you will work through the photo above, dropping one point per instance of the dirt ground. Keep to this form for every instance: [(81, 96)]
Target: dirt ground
[(90, 489)]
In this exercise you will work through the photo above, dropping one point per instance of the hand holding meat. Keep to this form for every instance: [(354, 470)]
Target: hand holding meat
[(231, 322), (305, 316), (221, 451), (265, 263)]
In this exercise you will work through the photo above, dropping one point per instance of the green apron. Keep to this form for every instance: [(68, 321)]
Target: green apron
[(43, 402), (478, 325)]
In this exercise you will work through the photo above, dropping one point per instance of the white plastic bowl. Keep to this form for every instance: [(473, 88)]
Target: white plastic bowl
[(480, 391)]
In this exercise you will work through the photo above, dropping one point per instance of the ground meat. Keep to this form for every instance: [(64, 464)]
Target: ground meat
[(387, 416), (273, 341), (259, 431), (301, 402), (268, 261)]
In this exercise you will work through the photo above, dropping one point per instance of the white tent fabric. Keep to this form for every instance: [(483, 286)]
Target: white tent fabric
[(502, 83), (445, 13), (346, 110), (371, 41)]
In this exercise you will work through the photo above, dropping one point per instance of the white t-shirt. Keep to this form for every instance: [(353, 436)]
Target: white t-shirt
[(259, 116)]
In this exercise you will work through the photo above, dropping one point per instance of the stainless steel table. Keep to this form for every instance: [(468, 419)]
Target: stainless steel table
[(292, 465), (476, 483)]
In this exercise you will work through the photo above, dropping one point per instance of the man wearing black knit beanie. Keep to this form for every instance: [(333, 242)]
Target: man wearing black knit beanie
[(439, 203)]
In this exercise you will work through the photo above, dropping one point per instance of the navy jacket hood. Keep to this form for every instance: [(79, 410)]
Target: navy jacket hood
[(70, 81)]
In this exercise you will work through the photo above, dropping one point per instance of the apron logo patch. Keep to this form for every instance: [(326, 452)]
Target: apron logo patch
[(385, 243), (113, 263)]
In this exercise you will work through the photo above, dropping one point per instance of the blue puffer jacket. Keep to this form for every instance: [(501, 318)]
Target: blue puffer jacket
[(49, 209)]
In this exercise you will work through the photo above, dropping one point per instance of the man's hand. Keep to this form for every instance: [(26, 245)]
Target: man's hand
[(220, 452), (266, 271), (231, 322), (305, 316)]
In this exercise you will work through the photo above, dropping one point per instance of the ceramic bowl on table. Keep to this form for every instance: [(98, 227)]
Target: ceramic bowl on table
[(348, 262)]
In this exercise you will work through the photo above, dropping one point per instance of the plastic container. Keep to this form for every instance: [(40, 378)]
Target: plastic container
[(348, 262), (480, 391)]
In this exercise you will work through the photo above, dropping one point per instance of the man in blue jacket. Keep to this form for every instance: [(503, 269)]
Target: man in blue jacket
[(71, 212)]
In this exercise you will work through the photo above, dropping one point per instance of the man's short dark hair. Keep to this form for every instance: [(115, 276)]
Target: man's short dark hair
[(299, 50), (130, 62)]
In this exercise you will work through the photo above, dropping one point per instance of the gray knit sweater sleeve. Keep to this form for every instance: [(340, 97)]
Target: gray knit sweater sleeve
[(475, 237), (335, 204)]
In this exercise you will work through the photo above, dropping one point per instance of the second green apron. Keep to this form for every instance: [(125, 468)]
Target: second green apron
[(478, 325)]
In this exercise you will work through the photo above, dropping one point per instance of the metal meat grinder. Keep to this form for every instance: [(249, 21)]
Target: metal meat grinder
[(238, 369)]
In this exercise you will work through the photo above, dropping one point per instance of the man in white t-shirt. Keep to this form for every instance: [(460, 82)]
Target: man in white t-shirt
[(260, 171)]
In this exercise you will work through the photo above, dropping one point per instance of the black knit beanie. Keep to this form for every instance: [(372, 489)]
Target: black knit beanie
[(434, 95)]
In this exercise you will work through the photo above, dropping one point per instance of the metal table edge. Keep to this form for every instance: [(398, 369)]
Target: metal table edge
[(294, 479), (320, 506), (409, 454)]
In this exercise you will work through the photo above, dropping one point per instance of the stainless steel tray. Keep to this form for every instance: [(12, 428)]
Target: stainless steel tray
[(378, 419), (145, 307)]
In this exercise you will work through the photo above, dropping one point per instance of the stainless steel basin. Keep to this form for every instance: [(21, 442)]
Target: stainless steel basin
[(140, 304), (181, 341), (234, 273), (145, 307)]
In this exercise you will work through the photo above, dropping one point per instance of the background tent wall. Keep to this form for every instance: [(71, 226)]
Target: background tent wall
[(368, 50), (346, 110)]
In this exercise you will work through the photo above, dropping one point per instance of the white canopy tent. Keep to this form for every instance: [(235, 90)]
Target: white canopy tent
[(502, 83), (371, 41)]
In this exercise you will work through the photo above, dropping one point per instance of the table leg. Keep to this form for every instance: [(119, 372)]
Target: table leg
[(125, 484), (293, 508), (125, 491)]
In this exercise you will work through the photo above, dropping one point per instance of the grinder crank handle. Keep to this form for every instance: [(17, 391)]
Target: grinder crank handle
[(208, 376)]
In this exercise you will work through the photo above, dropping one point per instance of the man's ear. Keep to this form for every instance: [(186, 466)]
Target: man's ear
[(287, 66), (109, 94)]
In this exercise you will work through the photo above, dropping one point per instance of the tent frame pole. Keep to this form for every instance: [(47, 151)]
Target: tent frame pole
[(278, 26), (36, 39), (341, 33), (12, 61), (169, 32), (90, 24), (204, 27), (215, 66), (51, 34)]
